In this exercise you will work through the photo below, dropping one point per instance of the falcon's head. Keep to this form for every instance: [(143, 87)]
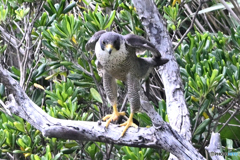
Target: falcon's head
[(111, 41)]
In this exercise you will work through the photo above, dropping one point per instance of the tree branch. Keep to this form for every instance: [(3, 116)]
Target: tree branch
[(159, 136), (214, 148), (155, 26)]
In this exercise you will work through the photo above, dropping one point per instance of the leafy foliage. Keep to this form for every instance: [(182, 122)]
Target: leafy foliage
[(211, 73), (62, 79)]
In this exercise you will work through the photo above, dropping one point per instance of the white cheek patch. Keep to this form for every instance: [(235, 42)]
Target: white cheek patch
[(116, 56)]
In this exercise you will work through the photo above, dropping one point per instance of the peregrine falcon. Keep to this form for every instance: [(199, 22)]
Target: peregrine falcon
[(116, 59)]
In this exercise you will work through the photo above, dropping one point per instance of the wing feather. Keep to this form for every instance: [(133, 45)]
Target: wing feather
[(93, 40), (140, 43)]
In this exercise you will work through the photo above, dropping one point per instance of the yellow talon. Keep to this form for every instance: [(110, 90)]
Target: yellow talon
[(128, 123), (114, 116)]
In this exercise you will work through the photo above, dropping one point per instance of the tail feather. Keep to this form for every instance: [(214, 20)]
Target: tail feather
[(160, 61)]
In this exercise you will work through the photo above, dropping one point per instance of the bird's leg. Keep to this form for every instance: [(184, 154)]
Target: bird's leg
[(114, 116), (128, 123)]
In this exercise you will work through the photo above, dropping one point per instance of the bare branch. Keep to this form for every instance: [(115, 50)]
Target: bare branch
[(191, 25), (8, 38), (230, 10), (159, 136), (226, 123), (155, 27), (214, 148)]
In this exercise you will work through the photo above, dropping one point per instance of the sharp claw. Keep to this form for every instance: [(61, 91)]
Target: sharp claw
[(125, 129), (108, 122), (135, 126), (112, 117), (123, 124), (128, 123), (106, 117)]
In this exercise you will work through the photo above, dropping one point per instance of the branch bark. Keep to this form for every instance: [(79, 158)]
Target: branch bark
[(155, 27), (159, 136), (8, 38), (214, 148)]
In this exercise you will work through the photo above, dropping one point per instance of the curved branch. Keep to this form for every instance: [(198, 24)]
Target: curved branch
[(155, 27), (159, 136)]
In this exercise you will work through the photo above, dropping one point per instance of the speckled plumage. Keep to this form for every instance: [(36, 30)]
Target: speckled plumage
[(116, 59)]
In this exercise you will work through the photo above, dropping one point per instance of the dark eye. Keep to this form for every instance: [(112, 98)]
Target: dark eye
[(115, 42), (104, 42)]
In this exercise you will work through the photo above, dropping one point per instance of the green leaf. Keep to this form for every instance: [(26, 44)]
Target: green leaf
[(112, 16), (66, 63), (215, 7), (99, 156), (71, 144), (51, 95), (48, 154), (230, 131), (60, 31), (35, 157), (15, 71), (204, 106), (56, 157), (52, 18), (21, 143), (226, 102), (229, 143), (2, 137), (19, 151), (49, 54), (68, 151), (50, 3), (48, 9), (214, 74), (69, 7), (100, 18), (96, 95), (27, 140), (202, 127), (143, 117), (61, 7), (2, 89), (19, 126)]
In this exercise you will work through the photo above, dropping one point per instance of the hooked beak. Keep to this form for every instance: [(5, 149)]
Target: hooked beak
[(109, 48)]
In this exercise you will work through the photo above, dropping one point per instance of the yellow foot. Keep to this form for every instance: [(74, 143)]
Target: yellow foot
[(113, 117), (128, 123)]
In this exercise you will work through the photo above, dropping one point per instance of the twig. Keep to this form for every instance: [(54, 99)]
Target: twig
[(230, 10), (19, 27), (200, 27), (10, 39), (32, 69), (228, 120), (97, 84), (206, 137), (225, 111), (188, 30), (5, 107)]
